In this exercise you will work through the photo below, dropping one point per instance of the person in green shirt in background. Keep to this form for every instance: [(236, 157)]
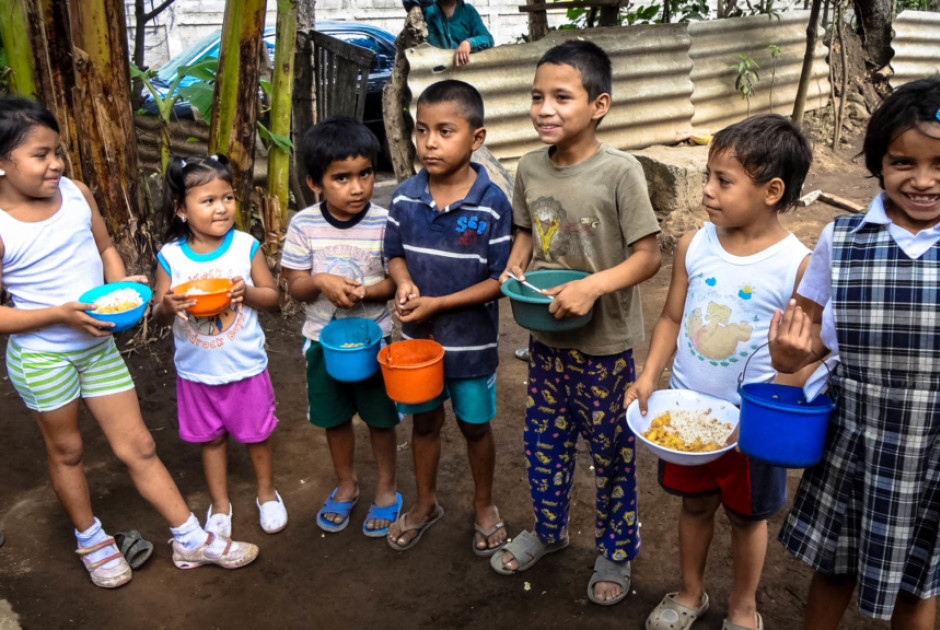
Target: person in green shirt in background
[(454, 24)]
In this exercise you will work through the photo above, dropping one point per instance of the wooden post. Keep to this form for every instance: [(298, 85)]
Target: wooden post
[(396, 98)]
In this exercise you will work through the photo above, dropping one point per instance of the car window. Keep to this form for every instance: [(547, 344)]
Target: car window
[(382, 53)]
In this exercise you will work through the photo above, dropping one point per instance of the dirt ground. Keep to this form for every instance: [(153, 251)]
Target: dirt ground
[(304, 578)]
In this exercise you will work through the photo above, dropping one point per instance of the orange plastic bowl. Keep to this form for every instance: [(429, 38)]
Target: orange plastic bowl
[(413, 370), (212, 296)]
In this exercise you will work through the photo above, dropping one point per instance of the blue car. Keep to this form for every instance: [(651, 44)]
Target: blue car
[(381, 42)]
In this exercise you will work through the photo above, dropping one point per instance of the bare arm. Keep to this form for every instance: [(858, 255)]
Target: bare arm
[(263, 295), (666, 330), (519, 255)]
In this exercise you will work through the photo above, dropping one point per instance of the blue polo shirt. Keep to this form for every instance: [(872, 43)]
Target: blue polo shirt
[(448, 250)]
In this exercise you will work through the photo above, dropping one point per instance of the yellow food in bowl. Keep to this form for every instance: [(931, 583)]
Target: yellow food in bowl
[(351, 344), (688, 431), (118, 302)]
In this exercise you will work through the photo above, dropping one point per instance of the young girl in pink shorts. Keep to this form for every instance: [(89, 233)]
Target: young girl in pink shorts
[(222, 382)]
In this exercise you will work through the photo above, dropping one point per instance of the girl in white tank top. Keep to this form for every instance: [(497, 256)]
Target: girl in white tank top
[(53, 246)]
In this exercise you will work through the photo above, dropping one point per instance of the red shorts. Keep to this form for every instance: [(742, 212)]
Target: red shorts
[(749, 488)]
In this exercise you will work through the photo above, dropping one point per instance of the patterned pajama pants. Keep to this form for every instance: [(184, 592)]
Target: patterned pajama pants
[(571, 393)]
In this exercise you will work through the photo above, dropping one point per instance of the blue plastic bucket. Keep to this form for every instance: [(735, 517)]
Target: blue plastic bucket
[(779, 426), (350, 347)]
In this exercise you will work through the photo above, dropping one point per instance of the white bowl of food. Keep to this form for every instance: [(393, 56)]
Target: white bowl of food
[(685, 427)]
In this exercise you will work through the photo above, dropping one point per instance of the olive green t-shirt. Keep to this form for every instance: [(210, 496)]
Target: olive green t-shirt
[(585, 217)]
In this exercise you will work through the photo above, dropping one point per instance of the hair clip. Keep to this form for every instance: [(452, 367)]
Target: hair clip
[(937, 115), (214, 156), (182, 163)]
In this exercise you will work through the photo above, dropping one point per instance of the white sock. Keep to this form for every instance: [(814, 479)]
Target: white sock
[(191, 535), (91, 537)]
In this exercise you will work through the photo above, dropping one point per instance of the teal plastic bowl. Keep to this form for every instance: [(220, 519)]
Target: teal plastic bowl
[(530, 308), (125, 319)]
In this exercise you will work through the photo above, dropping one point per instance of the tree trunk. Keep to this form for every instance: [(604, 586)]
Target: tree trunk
[(232, 129), (874, 24), (538, 21), (108, 143), (16, 43), (396, 97), (304, 99), (799, 103), (50, 28), (279, 160)]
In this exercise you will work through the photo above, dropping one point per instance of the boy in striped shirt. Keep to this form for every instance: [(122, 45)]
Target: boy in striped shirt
[(447, 241), (333, 262)]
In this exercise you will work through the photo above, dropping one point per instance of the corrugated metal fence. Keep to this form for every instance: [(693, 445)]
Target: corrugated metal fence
[(916, 46), (667, 78)]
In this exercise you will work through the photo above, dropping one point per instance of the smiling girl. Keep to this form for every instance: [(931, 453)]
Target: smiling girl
[(54, 246), (868, 515)]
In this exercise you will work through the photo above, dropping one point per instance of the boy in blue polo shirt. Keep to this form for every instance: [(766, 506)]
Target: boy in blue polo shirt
[(447, 241)]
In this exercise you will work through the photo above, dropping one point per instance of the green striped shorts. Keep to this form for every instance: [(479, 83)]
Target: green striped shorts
[(50, 380)]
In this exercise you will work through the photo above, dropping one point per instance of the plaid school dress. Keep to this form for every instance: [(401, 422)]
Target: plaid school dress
[(871, 508)]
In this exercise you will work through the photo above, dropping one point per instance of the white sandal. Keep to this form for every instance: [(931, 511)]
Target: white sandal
[(113, 577)]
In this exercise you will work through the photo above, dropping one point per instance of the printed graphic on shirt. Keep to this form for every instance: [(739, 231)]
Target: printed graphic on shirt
[(720, 331), (350, 262), (559, 236)]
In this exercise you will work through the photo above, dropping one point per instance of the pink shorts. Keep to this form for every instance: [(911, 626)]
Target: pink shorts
[(243, 409)]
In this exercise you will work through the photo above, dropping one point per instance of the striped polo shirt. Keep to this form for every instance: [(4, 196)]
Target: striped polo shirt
[(318, 242), (448, 250)]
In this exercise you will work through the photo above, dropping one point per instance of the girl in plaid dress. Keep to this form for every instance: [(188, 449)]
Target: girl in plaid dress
[(868, 515)]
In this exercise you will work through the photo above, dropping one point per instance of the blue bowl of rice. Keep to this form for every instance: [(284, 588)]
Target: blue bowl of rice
[(121, 303)]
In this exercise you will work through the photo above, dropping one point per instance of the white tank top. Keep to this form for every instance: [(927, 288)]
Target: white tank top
[(227, 347), (728, 308), (49, 263)]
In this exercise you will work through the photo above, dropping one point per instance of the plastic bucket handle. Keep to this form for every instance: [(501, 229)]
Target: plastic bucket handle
[(766, 343)]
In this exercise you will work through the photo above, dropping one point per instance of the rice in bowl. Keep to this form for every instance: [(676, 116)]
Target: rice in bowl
[(688, 431), (118, 301)]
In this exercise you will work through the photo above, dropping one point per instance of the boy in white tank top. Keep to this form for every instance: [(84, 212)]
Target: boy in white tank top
[(728, 278)]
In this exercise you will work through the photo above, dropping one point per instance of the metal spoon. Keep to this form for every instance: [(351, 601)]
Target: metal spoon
[(529, 285)]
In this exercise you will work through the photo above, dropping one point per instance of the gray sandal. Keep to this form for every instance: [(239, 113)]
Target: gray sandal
[(608, 571), (527, 550), (133, 547), (671, 615)]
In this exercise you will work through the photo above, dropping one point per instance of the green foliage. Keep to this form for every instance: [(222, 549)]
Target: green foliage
[(582, 17), (200, 94), (913, 5), (746, 78), (4, 71)]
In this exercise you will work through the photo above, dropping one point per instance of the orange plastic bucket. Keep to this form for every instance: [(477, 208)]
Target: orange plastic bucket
[(413, 370)]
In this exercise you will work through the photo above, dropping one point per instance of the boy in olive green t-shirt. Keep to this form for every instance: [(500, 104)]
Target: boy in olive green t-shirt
[(580, 204)]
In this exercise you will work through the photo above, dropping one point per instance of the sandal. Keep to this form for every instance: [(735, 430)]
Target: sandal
[(527, 549), (608, 571), (486, 552), (235, 554), (421, 528), (343, 508), (113, 577), (727, 625), (671, 615), (387, 513), (134, 548)]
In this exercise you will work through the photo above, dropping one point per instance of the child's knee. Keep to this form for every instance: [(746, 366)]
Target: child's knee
[(474, 432), (701, 507), (137, 448), (428, 424), (67, 452), (215, 443), (746, 525)]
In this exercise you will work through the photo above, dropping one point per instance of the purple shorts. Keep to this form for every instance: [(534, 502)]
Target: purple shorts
[(243, 409)]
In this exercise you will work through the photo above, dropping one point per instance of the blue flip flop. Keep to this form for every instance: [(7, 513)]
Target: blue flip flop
[(388, 513), (343, 508)]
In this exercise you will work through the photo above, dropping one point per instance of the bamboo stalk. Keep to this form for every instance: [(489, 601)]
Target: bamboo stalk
[(282, 84), (15, 36)]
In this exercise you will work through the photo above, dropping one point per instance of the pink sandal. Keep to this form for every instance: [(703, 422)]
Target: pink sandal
[(113, 577)]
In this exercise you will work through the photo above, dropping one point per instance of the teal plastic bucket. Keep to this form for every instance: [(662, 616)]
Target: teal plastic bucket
[(530, 308), (350, 347)]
